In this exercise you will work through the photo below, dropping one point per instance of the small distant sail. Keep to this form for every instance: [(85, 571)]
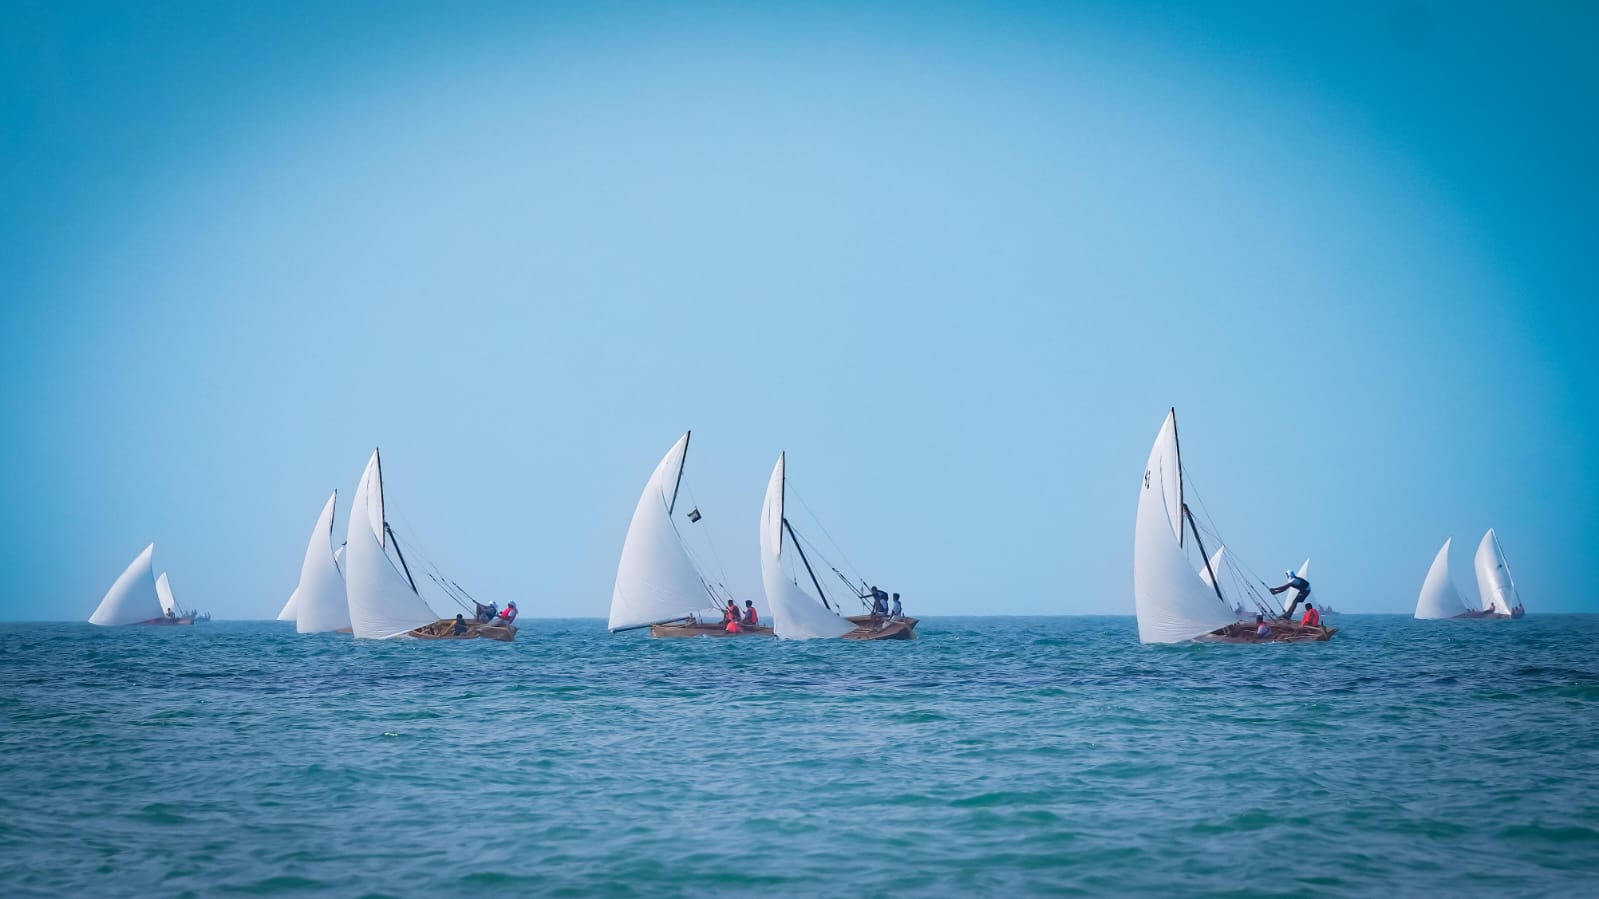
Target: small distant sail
[(795, 615), (287, 614), (656, 581), (1172, 601), (319, 601), (383, 602), (163, 591), (1496, 589), (133, 597), (1439, 598)]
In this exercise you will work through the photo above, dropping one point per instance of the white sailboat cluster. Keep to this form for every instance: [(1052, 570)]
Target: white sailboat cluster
[(138, 596), (660, 586), (1497, 596)]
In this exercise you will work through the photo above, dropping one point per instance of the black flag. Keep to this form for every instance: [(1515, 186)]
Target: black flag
[(694, 514)]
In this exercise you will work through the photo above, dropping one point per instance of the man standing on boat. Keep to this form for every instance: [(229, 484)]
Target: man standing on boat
[(1301, 588)]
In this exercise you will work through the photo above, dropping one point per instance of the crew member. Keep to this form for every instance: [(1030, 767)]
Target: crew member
[(1262, 629), (751, 617), (1312, 617), (1301, 589), (898, 611), (509, 615), (460, 625)]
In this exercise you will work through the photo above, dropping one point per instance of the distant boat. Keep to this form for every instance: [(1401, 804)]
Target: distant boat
[(796, 615), (133, 597), (658, 585), (1175, 603), (170, 607), (383, 600), (1496, 587), (318, 602), (1438, 597)]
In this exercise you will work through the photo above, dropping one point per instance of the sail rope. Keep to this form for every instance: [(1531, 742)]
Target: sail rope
[(421, 555), (721, 570), (823, 528), (1242, 572)]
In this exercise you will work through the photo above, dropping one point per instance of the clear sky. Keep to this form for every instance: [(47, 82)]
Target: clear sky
[(956, 259)]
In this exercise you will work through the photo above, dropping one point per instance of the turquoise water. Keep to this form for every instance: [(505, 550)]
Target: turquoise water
[(991, 756)]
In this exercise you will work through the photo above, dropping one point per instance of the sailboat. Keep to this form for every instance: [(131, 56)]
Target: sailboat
[(1496, 587), (1174, 602), (318, 602), (658, 584), (1438, 597), (796, 614), (169, 606), (383, 600), (133, 597)]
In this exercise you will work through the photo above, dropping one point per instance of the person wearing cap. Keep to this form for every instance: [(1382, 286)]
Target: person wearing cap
[(509, 615), (1301, 588), (750, 615)]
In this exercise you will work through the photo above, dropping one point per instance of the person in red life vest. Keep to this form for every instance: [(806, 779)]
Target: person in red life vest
[(1312, 617), (750, 615), (730, 615), (509, 615)]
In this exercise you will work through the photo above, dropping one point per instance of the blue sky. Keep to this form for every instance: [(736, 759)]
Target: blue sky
[(956, 259)]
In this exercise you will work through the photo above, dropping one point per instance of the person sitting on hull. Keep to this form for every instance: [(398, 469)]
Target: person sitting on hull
[(898, 611), (459, 628), (730, 615), (1312, 617), (485, 613), (1301, 588), (751, 617), (508, 616), (1262, 629)]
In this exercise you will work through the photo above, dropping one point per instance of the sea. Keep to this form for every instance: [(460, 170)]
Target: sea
[(1004, 756)]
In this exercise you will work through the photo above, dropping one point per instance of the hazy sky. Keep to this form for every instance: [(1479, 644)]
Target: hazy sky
[(956, 259)]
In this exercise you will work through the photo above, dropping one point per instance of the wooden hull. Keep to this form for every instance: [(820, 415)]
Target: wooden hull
[(869, 628), (168, 621), (1281, 632), (707, 629), (1483, 614), (444, 629)]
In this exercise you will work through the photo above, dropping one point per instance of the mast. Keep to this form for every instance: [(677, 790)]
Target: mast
[(1214, 583), (377, 454), (1181, 500), (397, 552), (795, 538)]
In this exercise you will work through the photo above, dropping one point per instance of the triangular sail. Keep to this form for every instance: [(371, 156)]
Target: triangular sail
[(1172, 601), (1496, 589), (132, 598), (1439, 598), (163, 592), (656, 581), (319, 601), (795, 615), (1216, 560), (382, 601), (287, 612)]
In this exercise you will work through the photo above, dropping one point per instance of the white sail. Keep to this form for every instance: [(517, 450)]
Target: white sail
[(656, 580), (319, 601), (1495, 587), (132, 598), (1439, 598), (287, 613), (382, 601), (163, 592), (795, 614), (1172, 601)]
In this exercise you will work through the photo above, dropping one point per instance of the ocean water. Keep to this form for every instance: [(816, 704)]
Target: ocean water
[(992, 756)]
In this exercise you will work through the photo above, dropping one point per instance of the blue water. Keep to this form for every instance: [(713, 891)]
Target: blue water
[(990, 756)]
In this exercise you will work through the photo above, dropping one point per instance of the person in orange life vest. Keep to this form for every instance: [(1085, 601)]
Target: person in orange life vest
[(1312, 617), (509, 615), (732, 621), (750, 615)]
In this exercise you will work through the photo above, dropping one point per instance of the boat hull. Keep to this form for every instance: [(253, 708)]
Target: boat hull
[(707, 629), (1281, 632), (444, 629), (868, 627), (168, 621)]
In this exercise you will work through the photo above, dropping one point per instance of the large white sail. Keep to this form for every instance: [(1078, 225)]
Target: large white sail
[(319, 601), (382, 601), (1439, 598), (656, 581), (1172, 601), (1495, 587), (132, 598), (795, 614), (163, 592)]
